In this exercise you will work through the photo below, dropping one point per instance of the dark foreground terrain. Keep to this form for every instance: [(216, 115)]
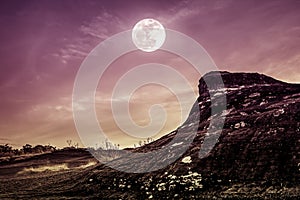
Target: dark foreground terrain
[(257, 155)]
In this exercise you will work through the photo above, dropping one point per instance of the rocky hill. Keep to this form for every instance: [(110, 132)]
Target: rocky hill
[(257, 153), (261, 134)]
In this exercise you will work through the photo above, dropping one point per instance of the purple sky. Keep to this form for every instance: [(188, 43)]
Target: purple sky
[(44, 42)]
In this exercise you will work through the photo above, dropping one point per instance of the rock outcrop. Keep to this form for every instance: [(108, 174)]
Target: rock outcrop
[(257, 152)]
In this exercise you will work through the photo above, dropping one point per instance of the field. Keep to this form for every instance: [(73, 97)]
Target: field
[(75, 174)]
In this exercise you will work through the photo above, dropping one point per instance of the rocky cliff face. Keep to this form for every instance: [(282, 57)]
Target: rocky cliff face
[(261, 135)]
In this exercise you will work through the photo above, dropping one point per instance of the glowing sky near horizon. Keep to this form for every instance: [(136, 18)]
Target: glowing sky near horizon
[(44, 42)]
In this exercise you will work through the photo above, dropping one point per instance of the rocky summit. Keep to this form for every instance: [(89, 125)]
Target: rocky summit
[(255, 154)]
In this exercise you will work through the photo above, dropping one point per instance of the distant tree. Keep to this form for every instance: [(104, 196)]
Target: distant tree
[(27, 148), (140, 143), (48, 148), (5, 148), (39, 149), (16, 152), (69, 142), (76, 145)]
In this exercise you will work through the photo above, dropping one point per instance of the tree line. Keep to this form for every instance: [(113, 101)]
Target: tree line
[(26, 149)]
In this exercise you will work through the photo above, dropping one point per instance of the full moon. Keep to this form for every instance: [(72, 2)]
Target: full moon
[(148, 35)]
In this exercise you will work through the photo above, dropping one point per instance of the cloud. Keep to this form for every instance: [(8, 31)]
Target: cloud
[(91, 34), (99, 28)]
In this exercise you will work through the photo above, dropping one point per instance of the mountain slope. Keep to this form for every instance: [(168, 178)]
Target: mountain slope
[(259, 144), (257, 154), (260, 137)]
